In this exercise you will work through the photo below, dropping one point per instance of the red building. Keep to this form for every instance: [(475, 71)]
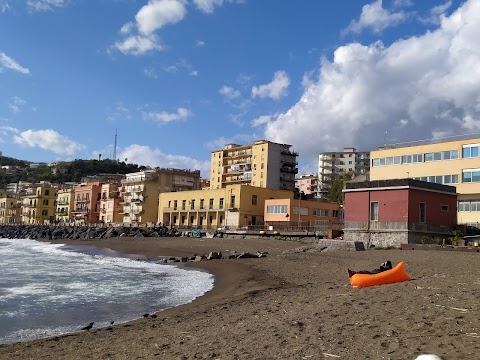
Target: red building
[(398, 211)]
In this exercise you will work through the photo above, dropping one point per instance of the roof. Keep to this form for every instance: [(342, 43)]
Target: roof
[(399, 183)]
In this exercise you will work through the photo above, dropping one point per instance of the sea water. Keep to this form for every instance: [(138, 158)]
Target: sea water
[(51, 289)]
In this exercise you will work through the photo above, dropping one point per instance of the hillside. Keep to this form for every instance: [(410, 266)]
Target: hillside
[(20, 170)]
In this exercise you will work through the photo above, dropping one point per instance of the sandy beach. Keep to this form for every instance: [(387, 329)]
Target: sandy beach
[(291, 306)]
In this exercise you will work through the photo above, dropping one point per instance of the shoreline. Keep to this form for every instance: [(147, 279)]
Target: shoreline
[(292, 306)]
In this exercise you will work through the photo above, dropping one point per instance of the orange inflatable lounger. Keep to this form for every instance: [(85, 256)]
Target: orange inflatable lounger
[(397, 274)]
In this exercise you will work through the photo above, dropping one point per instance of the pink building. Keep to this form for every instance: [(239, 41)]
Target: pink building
[(398, 211), (110, 204), (86, 209)]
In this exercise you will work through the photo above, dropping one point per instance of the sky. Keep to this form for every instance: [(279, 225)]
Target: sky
[(178, 79)]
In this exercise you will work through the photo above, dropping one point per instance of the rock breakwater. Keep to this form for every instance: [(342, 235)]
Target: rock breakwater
[(52, 232)]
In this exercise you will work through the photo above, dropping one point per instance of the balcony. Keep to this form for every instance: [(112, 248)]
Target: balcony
[(61, 212), (288, 152), (289, 170), (63, 202), (137, 211), (136, 200), (80, 211), (289, 162)]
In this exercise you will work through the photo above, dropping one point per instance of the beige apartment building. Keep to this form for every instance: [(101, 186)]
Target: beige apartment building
[(262, 164), (451, 161), (110, 204), (39, 204), (231, 206), (10, 208), (141, 190), (65, 202)]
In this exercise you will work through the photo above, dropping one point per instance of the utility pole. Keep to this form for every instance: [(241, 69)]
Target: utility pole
[(115, 147)]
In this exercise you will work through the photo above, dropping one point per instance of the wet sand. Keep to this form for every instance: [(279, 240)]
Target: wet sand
[(291, 306)]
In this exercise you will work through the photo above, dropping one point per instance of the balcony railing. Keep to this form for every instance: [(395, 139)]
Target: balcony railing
[(398, 226), (199, 209)]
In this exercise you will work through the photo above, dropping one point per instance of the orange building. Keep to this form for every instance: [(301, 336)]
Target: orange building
[(86, 208), (303, 214)]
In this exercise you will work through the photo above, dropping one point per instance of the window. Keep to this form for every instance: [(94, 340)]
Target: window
[(428, 157), (87, 197), (261, 166), (406, 159), (254, 199), (450, 155), (47, 192), (221, 203), (169, 203), (350, 163), (470, 151), (210, 204), (202, 204), (184, 203), (276, 209), (374, 211), (232, 201), (422, 212), (445, 208), (192, 204), (303, 210), (45, 202), (175, 204), (44, 212), (471, 175), (335, 213)]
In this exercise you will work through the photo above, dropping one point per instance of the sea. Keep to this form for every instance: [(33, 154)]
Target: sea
[(53, 289)]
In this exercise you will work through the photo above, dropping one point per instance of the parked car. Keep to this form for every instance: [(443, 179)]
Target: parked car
[(472, 231)]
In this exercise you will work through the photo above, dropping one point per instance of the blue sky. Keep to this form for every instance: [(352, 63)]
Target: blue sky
[(181, 78)]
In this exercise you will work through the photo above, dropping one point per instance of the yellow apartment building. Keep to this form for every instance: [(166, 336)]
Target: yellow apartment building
[(110, 203), (262, 164), (65, 202), (454, 161), (39, 204), (141, 190), (231, 206), (10, 208)]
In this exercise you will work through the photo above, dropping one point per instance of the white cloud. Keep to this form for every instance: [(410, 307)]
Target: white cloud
[(16, 104), (200, 43), (9, 63), (4, 6), (208, 6), (150, 72), (180, 66), (48, 140), (141, 37), (158, 13), (5, 130), (274, 90), (262, 120), (138, 44), (148, 156), (44, 5), (413, 89), (228, 92), (376, 18), (436, 14), (164, 117)]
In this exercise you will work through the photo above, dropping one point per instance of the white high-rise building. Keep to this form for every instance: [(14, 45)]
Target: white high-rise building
[(333, 165)]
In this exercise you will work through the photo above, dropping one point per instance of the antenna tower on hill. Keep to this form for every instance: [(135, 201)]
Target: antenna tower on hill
[(115, 147)]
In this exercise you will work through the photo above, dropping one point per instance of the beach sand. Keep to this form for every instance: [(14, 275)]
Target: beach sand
[(291, 306)]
